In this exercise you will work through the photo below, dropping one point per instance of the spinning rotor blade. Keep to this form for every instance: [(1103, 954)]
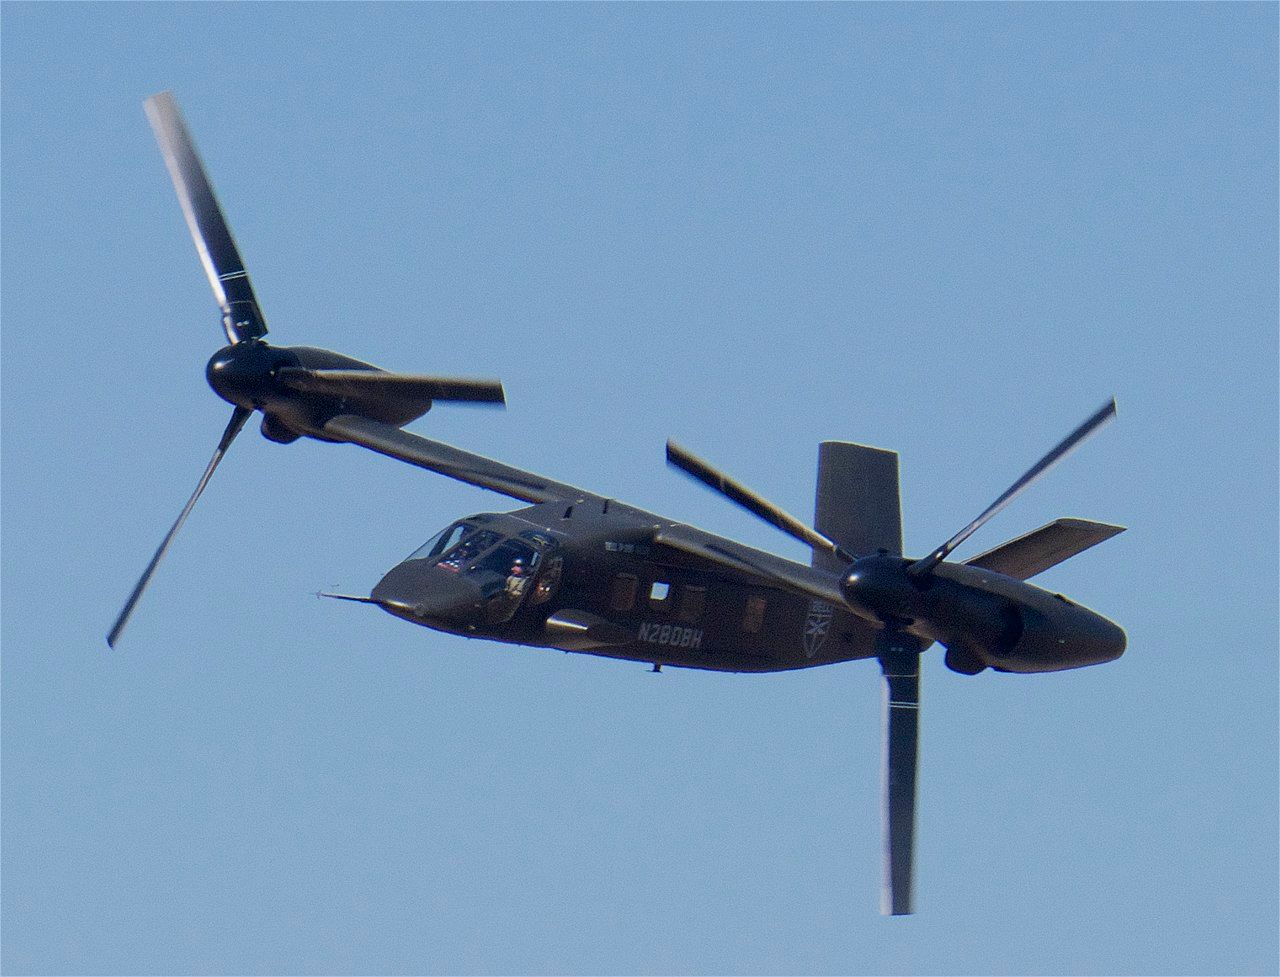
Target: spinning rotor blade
[(238, 418), (1100, 417), (364, 383), (241, 317), (900, 662), (757, 505)]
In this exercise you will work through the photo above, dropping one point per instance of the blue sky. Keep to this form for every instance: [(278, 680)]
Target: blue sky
[(948, 230)]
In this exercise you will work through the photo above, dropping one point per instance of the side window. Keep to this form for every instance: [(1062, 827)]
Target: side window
[(660, 596), (549, 581), (623, 595), (753, 616), (692, 602)]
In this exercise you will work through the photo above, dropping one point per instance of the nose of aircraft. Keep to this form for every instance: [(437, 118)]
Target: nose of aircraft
[(421, 592)]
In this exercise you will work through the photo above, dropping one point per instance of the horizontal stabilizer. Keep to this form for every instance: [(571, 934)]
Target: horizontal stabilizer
[(1037, 551)]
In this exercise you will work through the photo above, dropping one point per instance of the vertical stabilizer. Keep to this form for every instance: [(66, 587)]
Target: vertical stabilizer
[(857, 500)]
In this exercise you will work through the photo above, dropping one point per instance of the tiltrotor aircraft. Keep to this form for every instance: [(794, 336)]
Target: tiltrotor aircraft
[(575, 571)]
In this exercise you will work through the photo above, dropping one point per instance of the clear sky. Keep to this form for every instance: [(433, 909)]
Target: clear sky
[(949, 230)]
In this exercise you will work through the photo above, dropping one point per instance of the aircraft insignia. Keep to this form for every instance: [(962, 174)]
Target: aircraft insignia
[(816, 626)]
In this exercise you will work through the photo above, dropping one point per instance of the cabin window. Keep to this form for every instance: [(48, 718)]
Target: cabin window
[(659, 594), (753, 616), (692, 602), (623, 595)]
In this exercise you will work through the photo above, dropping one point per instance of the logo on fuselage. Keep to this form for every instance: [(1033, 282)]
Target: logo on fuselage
[(671, 634), (817, 626)]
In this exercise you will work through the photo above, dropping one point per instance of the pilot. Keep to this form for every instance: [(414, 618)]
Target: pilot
[(516, 579)]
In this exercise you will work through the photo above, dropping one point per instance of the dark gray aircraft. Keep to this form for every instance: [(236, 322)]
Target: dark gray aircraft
[(575, 571)]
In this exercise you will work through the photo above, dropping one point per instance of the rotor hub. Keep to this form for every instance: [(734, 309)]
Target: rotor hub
[(243, 373), (877, 587)]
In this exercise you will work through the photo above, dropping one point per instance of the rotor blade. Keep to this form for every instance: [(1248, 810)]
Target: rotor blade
[(1100, 417), (238, 418), (757, 505), (365, 383), (241, 317), (900, 663)]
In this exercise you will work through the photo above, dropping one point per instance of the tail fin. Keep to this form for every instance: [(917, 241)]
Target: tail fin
[(856, 502)]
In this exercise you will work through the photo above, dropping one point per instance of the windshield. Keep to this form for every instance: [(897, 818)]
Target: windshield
[(441, 541), (512, 559), (499, 564), (471, 547)]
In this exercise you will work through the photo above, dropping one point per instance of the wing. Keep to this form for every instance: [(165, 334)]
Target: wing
[(1042, 548), (743, 560), (436, 456)]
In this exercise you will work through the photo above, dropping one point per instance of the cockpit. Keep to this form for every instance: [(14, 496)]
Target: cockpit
[(481, 562), (466, 549)]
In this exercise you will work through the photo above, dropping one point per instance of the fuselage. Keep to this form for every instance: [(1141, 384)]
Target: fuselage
[(588, 577)]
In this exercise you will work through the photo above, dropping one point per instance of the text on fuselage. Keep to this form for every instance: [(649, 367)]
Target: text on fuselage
[(671, 634)]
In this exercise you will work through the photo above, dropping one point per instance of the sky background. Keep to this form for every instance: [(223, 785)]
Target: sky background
[(953, 231)]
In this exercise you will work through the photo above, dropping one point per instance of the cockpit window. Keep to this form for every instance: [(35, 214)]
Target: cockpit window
[(512, 559), (475, 544), (441, 541)]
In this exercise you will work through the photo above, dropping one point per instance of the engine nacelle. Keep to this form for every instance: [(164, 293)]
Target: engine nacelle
[(1027, 639), (1012, 626), (1059, 637)]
